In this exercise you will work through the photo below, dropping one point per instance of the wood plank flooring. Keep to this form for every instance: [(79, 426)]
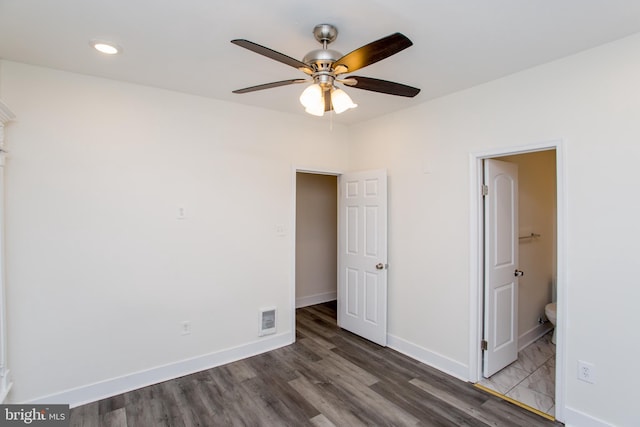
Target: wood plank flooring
[(329, 377)]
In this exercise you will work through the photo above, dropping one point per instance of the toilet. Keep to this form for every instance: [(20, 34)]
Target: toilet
[(551, 308), (550, 312)]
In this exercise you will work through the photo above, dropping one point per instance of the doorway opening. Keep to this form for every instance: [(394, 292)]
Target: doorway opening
[(353, 229), (316, 239), (534, 379)]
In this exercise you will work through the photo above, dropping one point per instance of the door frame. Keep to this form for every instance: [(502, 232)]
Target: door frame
[(476, 268), (292, 238)]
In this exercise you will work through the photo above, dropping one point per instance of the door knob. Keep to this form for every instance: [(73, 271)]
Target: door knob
[(518, 273), (379, 266)]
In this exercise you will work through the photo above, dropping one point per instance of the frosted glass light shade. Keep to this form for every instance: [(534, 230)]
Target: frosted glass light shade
[(316, 110), (311, 97), (341, 101)]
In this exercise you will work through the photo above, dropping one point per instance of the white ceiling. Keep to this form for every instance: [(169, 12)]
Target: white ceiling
[(184, 45)]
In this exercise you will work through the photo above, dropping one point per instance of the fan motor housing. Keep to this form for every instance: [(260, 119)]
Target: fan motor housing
[(321, 58), (321, 62)]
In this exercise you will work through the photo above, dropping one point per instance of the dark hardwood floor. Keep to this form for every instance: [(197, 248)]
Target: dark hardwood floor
[(329, 377)]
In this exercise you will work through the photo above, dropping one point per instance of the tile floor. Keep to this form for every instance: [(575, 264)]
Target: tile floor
[(532, 378)]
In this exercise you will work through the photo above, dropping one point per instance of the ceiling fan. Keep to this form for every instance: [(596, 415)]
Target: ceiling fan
[(325, 66)]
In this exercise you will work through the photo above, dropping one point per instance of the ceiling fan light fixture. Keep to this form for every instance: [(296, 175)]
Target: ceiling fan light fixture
[(325, 65), (341, 101), (315, 110), (312, 96)]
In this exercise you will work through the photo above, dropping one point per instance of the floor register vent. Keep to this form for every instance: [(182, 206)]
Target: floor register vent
[(267, 321)]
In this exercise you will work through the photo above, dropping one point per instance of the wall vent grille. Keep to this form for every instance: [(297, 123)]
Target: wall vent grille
[(267, 321)]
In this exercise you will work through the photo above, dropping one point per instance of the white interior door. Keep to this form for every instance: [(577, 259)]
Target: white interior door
[(500, 265), (362, 254)]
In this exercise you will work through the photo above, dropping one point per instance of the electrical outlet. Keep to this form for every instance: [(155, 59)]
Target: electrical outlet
[(186, 327), (586, 371)]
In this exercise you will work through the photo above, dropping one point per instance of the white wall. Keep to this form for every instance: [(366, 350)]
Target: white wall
[(100, 272), (316, 238), (592, 102)]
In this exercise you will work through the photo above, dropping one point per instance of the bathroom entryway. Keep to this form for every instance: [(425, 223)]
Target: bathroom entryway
[(530, 380), (518, 359)]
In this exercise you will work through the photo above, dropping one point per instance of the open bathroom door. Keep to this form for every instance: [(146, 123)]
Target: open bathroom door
[(362, 254), (500, 265)]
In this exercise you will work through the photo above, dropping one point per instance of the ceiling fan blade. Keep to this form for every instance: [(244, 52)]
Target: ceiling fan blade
[(270, 53), (269, 85), (372, 53), (382, 86)]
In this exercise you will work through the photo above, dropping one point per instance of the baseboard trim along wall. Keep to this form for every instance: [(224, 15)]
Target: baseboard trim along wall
[(112, 387), (575, 418), (428, 357), (533, 334), (316, 299)]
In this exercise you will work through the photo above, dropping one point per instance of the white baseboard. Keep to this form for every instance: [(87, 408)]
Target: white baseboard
[(5, 385), (114, 386), (316, 299), (575, 418), (428, 357), (533, 334)]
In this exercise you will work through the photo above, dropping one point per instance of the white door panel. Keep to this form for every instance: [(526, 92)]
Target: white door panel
[(501, 263), (362, 254)]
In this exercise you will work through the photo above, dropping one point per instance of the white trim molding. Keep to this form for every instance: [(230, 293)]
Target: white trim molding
[(115, 386), (316, 299), (575, 418), (428, 357), (533, 334), (6, 115)]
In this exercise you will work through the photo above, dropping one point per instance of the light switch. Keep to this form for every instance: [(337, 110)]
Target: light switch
[(182, 213)]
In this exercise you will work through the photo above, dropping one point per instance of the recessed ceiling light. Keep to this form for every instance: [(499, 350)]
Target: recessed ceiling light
[(105, 47)]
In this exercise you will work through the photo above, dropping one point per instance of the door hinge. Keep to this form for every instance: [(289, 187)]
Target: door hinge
[(485, 190), (484, 345)]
